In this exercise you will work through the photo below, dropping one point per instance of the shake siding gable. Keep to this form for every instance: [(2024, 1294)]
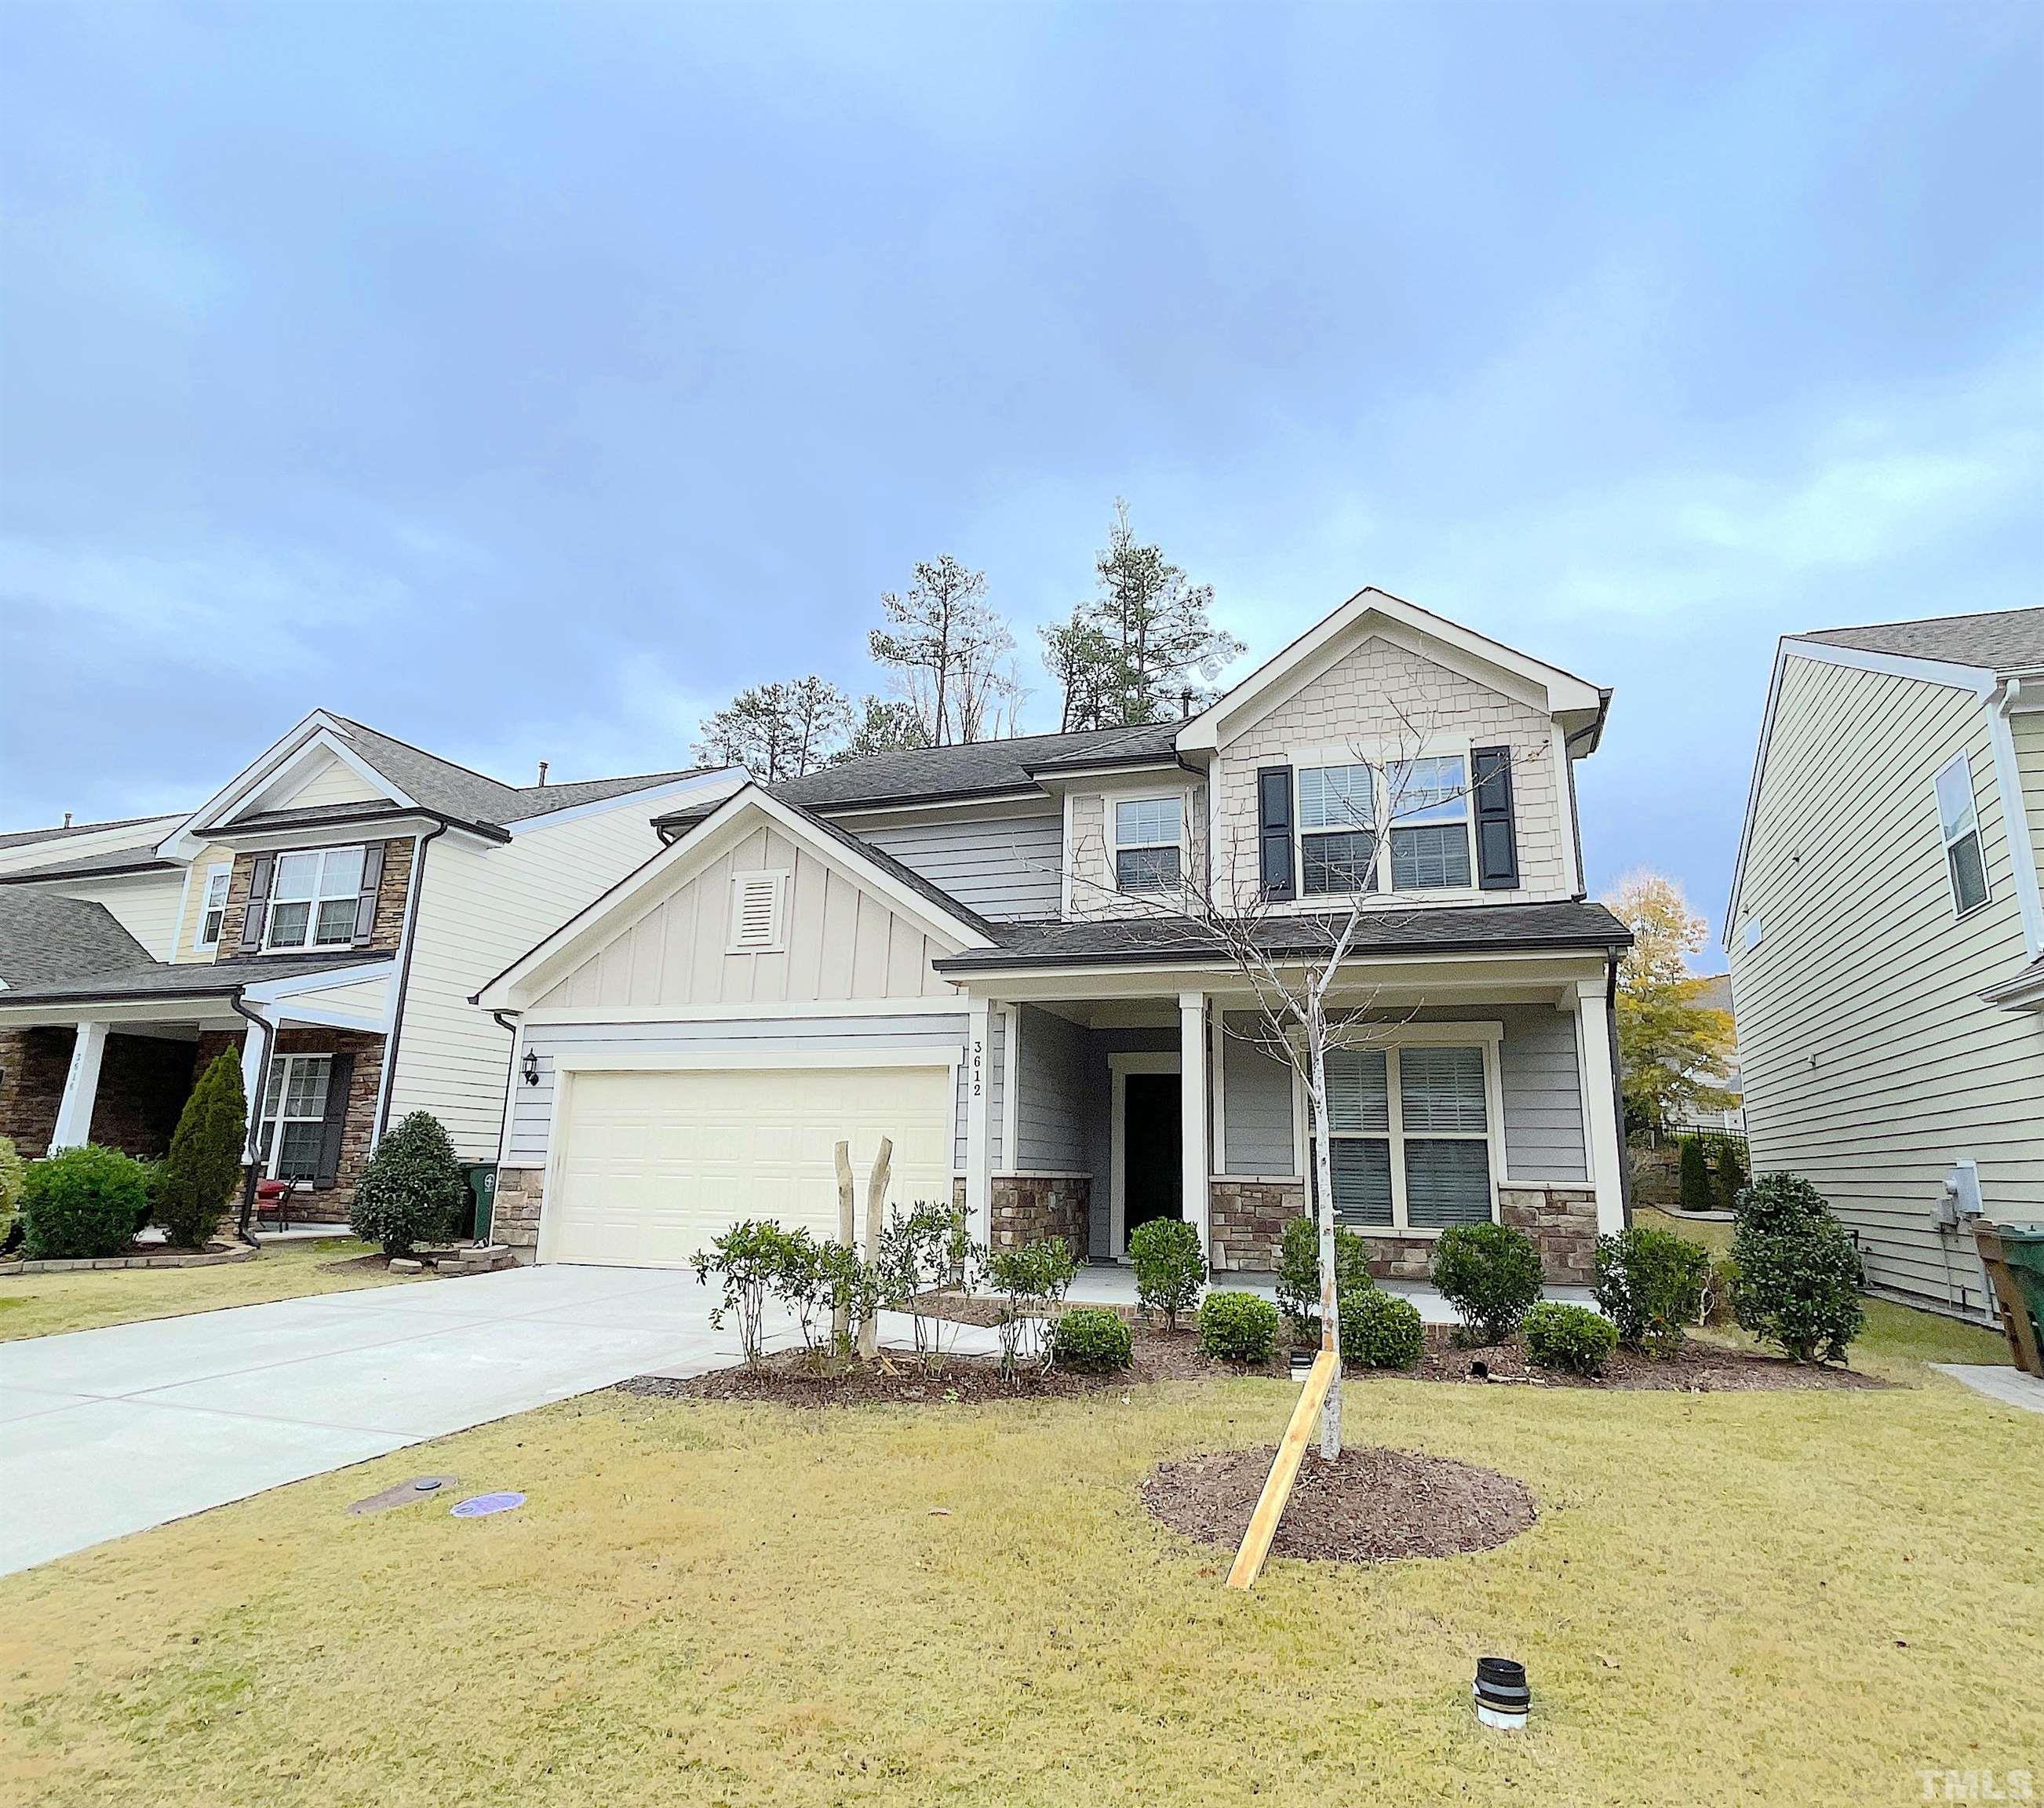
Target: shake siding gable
[(1869, 1062)]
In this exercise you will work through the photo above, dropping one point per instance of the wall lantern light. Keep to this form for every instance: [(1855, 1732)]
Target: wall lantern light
[(531, 1068)]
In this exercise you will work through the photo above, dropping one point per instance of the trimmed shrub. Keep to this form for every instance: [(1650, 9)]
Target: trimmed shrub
[(1731, 1177), (1031, 1280), (85, 1202), (1380, 1330), (1695, 1192), (200, 1174), (1299, 1271), (1170, 1267), (1238, 1327), (1490, 1273), (410, 1188), (746, 1259), (1798, 1274), (1569, 1337), (1092, 1338), (1650, 1283)]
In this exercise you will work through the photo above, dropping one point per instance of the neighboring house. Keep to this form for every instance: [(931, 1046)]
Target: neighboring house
[(1692, 1119), (327, 912), (1886, 940), (975, 952)]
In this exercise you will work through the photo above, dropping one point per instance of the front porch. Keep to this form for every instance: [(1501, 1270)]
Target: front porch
[(1468, 1095)]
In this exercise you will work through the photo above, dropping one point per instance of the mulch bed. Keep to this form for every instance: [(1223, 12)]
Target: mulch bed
[(1370, 1505), (1701, 1368)]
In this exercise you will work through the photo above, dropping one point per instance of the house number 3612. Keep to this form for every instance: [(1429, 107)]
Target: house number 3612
[(978, 1065)]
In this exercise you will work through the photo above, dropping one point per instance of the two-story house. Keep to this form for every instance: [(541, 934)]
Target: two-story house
[(1886, 938), (327, 912), (1003, 958)]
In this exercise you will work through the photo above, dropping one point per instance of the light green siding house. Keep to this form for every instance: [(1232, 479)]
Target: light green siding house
[(1886, 940)]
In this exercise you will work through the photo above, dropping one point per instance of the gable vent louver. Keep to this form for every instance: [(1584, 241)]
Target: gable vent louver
[(756, 911)]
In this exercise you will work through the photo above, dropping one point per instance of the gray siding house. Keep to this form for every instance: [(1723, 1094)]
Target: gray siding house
[(1002, 957), (1887, 941)]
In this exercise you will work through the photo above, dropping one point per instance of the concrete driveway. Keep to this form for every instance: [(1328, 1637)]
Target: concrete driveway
[(105, 1432)]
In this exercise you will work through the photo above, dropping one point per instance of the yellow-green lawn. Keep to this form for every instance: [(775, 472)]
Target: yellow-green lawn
[(1728, 1598), (82, 1299)]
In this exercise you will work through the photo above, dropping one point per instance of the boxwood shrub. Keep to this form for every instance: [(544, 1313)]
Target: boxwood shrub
[(1170, 1267), (85, 1202), (1650, 1283), (1090, 1337), (1299, 1271), (410, 1188), (1490, 1273), (1569, 1337), (1799, 1275), (1238, 1327), (1380, 1330)]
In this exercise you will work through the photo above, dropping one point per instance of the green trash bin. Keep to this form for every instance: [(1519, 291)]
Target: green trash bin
[(2018, 1251), (481, 1178)]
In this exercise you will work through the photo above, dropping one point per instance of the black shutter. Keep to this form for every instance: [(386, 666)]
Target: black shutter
[(1496, 842), (365, 902), (258, 903), (339, 1073), (1274, 830)]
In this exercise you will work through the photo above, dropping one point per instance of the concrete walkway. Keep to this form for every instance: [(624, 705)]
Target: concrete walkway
[(109, 1432), (2010, 1386)]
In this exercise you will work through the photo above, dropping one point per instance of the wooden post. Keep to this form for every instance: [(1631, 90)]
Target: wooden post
[(1284, 1471), (847, 1234), (876, 1203)]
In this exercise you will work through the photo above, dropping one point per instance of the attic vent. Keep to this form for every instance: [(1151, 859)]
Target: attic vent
[(756, 911)]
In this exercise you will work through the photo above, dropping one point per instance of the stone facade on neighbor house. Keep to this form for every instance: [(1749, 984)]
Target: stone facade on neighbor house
[(1032, 1208), (392, 890), (143, 1081), (323, 1205), (33, 1064), (1562, 1222)]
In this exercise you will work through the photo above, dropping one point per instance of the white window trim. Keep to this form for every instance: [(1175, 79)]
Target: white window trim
[(1111, 803), (778, 944), (1964, 762), (272, 1129), (218, 870), (1487, 1036), (1379, 760), (307, 944)]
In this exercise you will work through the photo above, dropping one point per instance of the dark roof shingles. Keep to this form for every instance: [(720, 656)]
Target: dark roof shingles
[(45, 940), (978, 768), (195, 980), (2007, 639)]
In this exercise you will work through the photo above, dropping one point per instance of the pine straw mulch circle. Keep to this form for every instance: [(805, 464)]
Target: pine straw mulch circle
[(1370, 1505)]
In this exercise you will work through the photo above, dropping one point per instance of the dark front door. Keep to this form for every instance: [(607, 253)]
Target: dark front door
[(1151, 1181)]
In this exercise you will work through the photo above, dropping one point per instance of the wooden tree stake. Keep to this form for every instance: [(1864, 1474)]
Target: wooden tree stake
[(1284, 1471)]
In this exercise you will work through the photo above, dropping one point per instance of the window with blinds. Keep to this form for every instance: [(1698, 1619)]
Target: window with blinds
[(1409, 1137)]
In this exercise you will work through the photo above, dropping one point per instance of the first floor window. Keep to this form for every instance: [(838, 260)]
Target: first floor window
[(313, 899), (1146, 834), (293, 1122), (1423, 1165), (1965, 865), (1337, 829), (1430, 833), (215, 914)]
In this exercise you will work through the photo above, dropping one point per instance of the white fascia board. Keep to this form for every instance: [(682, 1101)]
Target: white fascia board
[(1563, 691), (271, 991), (319, 729), (719, 784), (797, 1011), (1974, 678), (640, 891)]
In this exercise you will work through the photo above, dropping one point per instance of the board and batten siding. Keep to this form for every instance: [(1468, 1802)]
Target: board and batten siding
[(532, 1106), (842, 943), (1006, 867), (479, 908), (1869, 1061)]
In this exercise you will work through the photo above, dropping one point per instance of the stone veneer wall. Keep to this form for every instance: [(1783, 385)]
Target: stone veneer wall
[(1029, 1208), (1246, 1221), (514, 1217), (143, 1083), (392, 890), (33, 1064), (1562, 1222)]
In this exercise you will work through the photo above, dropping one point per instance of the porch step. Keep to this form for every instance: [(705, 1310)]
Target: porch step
[(486, 1261)]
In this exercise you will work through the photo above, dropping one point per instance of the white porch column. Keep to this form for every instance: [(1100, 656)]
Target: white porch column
[(253, 1076), (74, 1127), (1192, 1105), (1601, 1124), (978, 1168)]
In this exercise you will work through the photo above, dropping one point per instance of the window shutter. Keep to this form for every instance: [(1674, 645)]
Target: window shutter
[(339, 1074), (258, 913), (1274, 830), (1496, 841), (365, 902)]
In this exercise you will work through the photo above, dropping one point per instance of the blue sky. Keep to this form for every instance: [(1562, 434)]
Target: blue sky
[(525, 380)]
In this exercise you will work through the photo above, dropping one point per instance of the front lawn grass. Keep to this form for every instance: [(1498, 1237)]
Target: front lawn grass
[(1786, 1598), (83, 1299)]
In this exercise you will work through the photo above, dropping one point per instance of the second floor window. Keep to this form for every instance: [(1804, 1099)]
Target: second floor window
[(1337, 828), (1147, 832), (313, 901), (1430, 819), (1965, 864), (215, 913), (1349, 816)]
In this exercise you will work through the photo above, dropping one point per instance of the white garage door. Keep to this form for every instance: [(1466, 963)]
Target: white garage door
[(652, 1165)]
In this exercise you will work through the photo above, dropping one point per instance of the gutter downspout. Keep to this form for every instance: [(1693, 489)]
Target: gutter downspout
[(419, 844), (269, 1031), (1617, 1084), (510, 1080), (1575, 812)]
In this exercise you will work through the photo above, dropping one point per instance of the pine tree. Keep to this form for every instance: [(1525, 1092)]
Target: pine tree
[(204, 1167), (883, 725), (950, 652), (783, 730)]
